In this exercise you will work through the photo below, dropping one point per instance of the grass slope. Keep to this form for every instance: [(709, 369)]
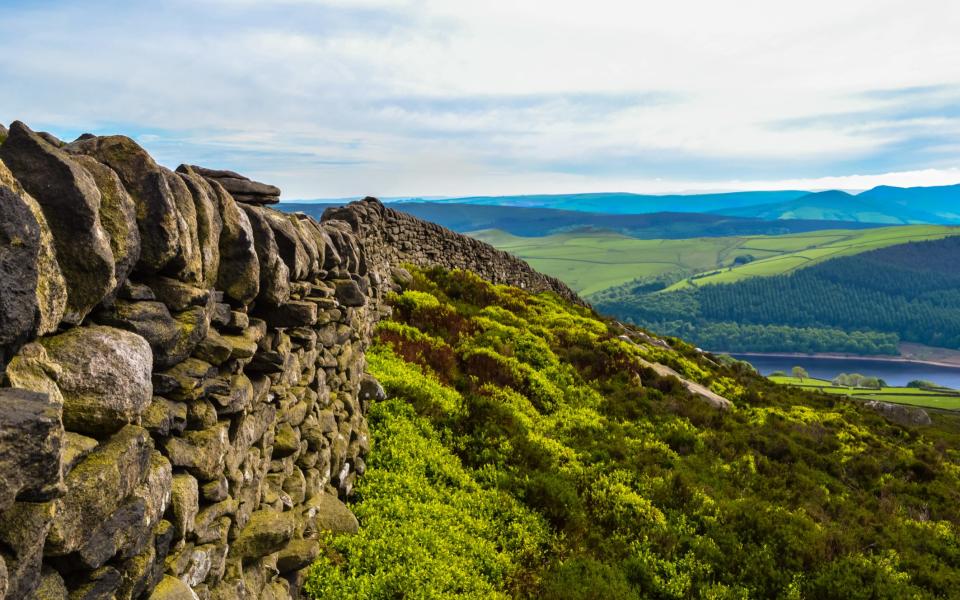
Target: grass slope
[(592, 262), (527, 452)]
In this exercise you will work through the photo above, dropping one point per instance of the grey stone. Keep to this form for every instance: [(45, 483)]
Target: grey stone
[(35, 294), (98, 486), (274, 275), (209, 222), (118, 215), (239, 271), (265, 533), (349, 294), (31, 446), (157, 216), (105, 378), (325, 512), (70, 201)]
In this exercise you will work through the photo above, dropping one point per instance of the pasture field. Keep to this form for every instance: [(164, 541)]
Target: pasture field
[(593, 261), (944, 400)]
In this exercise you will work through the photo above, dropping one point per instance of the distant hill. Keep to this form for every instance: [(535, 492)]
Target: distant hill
[(538, 222), (882, 204), (625, 203)]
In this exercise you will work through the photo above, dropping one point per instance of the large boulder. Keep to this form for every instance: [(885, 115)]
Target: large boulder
[(118, 215), (148, 318), (35, 294), (97, 487), (70, 200), (31, 446), (907, 416), (105, 378), (187, 264), (239, 270), (291, 244), (265, 533), (209, 223), (157, 216), (243, 189), (274, 275)]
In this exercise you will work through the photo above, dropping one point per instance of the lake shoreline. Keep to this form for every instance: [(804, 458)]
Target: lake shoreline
[(850, 357)]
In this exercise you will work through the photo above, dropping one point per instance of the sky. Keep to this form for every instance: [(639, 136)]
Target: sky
[(345, 98)]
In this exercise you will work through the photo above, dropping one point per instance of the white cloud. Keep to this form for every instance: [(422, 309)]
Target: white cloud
[(335, 97)]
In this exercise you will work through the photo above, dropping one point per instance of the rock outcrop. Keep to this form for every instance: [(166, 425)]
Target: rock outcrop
[(182, 374)]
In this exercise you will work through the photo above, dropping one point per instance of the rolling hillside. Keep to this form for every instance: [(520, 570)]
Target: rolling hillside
[(592, 262), (530, 449), (865, 303)]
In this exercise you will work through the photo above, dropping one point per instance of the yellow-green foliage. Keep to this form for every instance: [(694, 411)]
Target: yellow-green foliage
[(530, 453)]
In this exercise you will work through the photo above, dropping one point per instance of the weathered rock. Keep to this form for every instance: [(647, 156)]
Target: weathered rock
[(287, 441), (3, 133), (177, 295), (35, 294), (274, 275), (213, 348), (201, 452), (51, 586), (401, 277), (157, 215), (265, 533), (185, 380), (186, 497), (164, 417), (101, 584), (291, 246), (126, 531), (297, 555), (371, 390), (209, 222), (97, 487), (909, 416), (171, 588), (118, 215), (149, 319), (349, 293), (70, 201), (243, 189), (23, 528), (105, 378), (325, 512), (76, 448), (295, 313), (237, 396), (31, 446), (239, 272), (215, 491), (186, 265)]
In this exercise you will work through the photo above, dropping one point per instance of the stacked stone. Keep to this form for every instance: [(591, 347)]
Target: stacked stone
[(243, 189), (395, 238), (183, 388)]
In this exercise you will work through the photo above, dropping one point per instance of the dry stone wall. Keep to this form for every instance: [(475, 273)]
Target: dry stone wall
[(395, 238), (182, 375)]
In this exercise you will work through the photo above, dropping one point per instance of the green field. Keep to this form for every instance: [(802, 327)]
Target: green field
[(592, 262), (945, 400)]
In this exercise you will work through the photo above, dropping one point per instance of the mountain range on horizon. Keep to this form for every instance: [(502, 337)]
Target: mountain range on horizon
[(887, 205)]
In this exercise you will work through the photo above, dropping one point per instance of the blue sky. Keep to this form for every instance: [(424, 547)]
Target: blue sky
[(336, 98)]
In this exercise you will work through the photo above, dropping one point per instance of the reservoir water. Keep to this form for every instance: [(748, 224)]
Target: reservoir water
[(894, 373)]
